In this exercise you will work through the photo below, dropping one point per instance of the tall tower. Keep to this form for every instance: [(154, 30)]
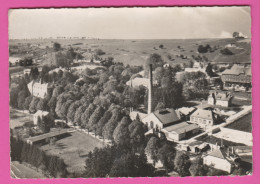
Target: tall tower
[(150, 89)]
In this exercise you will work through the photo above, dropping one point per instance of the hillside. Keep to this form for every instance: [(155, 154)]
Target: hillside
[(135, 52)]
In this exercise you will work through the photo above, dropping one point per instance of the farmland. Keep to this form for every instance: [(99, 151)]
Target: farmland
[(135, 52), (73, 149)]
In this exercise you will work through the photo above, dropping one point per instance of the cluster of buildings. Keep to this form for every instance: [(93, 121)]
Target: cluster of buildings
[(181, 124), (237, 78)]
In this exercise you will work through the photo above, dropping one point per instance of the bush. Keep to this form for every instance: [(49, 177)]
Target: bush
[(100, 52), (226, 51)]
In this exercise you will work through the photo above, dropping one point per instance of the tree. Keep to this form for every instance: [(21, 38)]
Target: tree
[(86, 115), (160, 106), (56, 46), (52, 104), (94, 118), (154, 59), (72, 110), (34, 73), (166, 155), (33, 104), (152, 148), (27, 102), (197, 168), (131, 165), (101, 123), (99, 52), (121, 134), (45, 123), (209, 71), (137, 131), (161, 46), (182, 164), (78, 113), (42, 105), (226, 51), (112, 123), (235, 34), (22, 95)]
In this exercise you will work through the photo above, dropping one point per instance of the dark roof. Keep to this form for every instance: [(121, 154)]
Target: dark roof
[(167, 116)]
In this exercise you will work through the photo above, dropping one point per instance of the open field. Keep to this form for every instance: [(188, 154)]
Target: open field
[(135, 52), (73, 149), (19, 118), (242, 124), (19, 170)]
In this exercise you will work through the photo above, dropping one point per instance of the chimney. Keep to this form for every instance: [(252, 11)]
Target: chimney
[(150, 89)]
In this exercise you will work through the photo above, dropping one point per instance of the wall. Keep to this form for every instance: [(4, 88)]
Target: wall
[(217, 163), (152, 118)]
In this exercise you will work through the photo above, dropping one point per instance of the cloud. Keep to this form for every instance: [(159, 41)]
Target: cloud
[(225, 34)]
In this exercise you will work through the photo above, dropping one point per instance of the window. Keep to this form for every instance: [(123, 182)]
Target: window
[(151, 124)]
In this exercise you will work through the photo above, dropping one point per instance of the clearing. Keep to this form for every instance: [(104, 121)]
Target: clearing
[(18, 118), (73, 149)]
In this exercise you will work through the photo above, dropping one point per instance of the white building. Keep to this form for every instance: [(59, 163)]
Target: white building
[(14, 60), (140, 82), (221, 99), (204, 118), (220, 159), (37, 89), (39, 114), (161, 118)]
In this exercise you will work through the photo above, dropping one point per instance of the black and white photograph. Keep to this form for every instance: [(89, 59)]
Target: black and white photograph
[(130, 92)]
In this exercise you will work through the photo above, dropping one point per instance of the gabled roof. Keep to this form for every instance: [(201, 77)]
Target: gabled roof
[(181, 127), (204, 114), (237, 70), (223, 96), (167, 116), (218, 153)]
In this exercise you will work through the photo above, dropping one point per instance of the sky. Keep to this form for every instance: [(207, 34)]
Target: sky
[(130, 23)]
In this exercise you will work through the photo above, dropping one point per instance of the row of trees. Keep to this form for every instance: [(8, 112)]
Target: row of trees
[(51, 165)]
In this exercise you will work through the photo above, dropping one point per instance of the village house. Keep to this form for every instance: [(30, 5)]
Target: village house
[(221, 159), (38, 89), (204, 118), (161, 118), (237, 78), (221, 99)]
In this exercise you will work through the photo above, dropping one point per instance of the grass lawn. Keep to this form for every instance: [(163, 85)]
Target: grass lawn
[(19, 118), (73, 149), (19, 170), (242, 124)]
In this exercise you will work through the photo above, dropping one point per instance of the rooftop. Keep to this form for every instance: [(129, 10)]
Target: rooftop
[(219, 153), (48, 135), (181, 127), (167, 116), (237, 70), (204, 114)]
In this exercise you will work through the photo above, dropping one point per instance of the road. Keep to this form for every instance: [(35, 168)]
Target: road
[(21, 171)]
